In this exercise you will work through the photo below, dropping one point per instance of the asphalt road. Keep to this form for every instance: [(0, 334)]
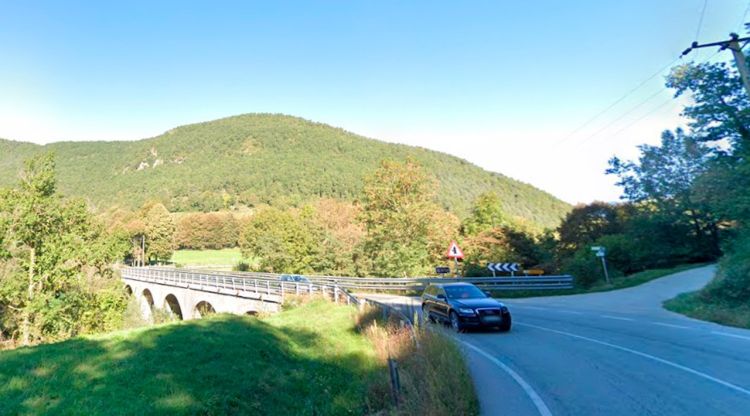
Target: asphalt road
[(611, 353)]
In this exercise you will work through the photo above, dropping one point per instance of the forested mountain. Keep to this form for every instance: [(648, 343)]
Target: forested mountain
[(260, 159)]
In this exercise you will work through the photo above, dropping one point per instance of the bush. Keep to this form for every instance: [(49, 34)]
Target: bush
[(732, 282), (586, 268), (242, 266), (623, 253)]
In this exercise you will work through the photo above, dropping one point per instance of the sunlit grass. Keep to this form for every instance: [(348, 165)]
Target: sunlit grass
[(305, 361), (695, 305), (224, 257)]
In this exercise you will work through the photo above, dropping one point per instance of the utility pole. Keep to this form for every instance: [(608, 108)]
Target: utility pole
[(732, 44)]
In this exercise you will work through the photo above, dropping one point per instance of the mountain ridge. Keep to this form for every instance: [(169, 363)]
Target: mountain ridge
[(260, 158)]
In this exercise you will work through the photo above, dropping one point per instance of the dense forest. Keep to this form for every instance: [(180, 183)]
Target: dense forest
[(261, 159)]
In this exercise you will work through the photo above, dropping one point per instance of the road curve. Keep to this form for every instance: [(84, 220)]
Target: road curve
[(610, 353)]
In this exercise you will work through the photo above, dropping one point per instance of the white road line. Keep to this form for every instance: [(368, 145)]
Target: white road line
[(727, 334), (619, 318), (648, 356), (670, 325), (541, 407), (530, 307), (570, 312)]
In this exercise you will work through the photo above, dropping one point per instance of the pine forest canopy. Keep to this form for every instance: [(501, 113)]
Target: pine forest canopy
[(258, 159)]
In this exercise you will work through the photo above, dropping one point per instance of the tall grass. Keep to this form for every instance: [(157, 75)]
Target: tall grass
[(432, 370)]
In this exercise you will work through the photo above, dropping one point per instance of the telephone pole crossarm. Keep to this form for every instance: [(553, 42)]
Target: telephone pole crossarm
[(732, 44)]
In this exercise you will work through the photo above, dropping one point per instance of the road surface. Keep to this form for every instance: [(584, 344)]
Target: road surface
[(610, 353)]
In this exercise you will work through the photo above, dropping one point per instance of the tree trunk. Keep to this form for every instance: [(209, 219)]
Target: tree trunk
[(27, 313)]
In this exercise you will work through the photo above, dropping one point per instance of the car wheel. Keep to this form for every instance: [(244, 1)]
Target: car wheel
[(455, 323), (505, 326)]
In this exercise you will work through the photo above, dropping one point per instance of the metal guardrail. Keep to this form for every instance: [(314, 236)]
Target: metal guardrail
[(411, 284)]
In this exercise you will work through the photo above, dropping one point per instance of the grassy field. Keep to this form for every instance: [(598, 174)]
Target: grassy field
[(634, 279), (285, 364), (224, 257), (696, 306)]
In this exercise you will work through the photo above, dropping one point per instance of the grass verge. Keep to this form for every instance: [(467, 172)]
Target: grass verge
[(284, 364), (314, 358), (433, 373), (631, 280), (695, 305)]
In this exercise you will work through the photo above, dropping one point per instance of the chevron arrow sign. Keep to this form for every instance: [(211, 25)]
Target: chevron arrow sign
[(503, 267)]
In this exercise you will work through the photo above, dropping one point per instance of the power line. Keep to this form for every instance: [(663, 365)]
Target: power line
[(618, 101), (744, 16), (700, 21), (632, 109), (648, 113), (613, 122)]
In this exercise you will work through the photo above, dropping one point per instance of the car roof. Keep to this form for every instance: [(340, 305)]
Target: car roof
[(451, 284)]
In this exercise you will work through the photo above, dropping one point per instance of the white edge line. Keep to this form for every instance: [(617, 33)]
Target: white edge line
[(616, 317), (727, 334), (570, 312), (649, 356), (670, 325), (535, 398)]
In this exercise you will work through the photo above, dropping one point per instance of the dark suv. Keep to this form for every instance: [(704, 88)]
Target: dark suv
[(463, 306)]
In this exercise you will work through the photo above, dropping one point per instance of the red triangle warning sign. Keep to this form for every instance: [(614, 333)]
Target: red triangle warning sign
[(454, 252)]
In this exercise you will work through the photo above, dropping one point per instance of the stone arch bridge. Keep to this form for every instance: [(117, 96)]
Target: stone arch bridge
[(192, 294)]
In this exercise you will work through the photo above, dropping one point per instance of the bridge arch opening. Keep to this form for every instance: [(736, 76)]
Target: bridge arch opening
[(147, 305), (172, 305), (128, 290), (203, 309)]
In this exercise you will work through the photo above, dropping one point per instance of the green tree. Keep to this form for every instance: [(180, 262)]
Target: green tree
[(52, 257), (585, 224), (664, 176), (290, 242), (486, 213), (160, 230), (720, 108), (397, 208)]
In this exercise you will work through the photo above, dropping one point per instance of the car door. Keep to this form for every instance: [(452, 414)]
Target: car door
[(441, 303)]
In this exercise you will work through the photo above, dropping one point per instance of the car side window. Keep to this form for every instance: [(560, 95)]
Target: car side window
[(441, 292)]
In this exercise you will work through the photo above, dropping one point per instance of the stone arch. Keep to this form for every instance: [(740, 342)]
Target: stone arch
[(172, 305), (128, 290), (202, 309), (147, 305)]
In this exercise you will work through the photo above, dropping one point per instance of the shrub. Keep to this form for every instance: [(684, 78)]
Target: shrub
[(586, 268), (733, 280), (242, 266)]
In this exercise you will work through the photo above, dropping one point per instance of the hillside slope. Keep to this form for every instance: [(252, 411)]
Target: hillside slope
[(259, 158)]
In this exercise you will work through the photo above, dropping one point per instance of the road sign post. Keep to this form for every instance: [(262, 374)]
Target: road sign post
[(601, 252)]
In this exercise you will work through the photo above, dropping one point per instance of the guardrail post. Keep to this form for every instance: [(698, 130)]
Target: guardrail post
[(336, 294), (268, 288), (282, 292), (256, 285), (311, 288), (296, 288)]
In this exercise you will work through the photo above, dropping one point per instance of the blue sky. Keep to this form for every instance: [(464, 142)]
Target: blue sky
[(501, 84)]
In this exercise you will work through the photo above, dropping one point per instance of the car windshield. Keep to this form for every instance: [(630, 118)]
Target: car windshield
[(464, 292)]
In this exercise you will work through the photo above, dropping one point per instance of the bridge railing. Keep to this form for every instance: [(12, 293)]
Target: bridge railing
[(262, 287), (413, 284)]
